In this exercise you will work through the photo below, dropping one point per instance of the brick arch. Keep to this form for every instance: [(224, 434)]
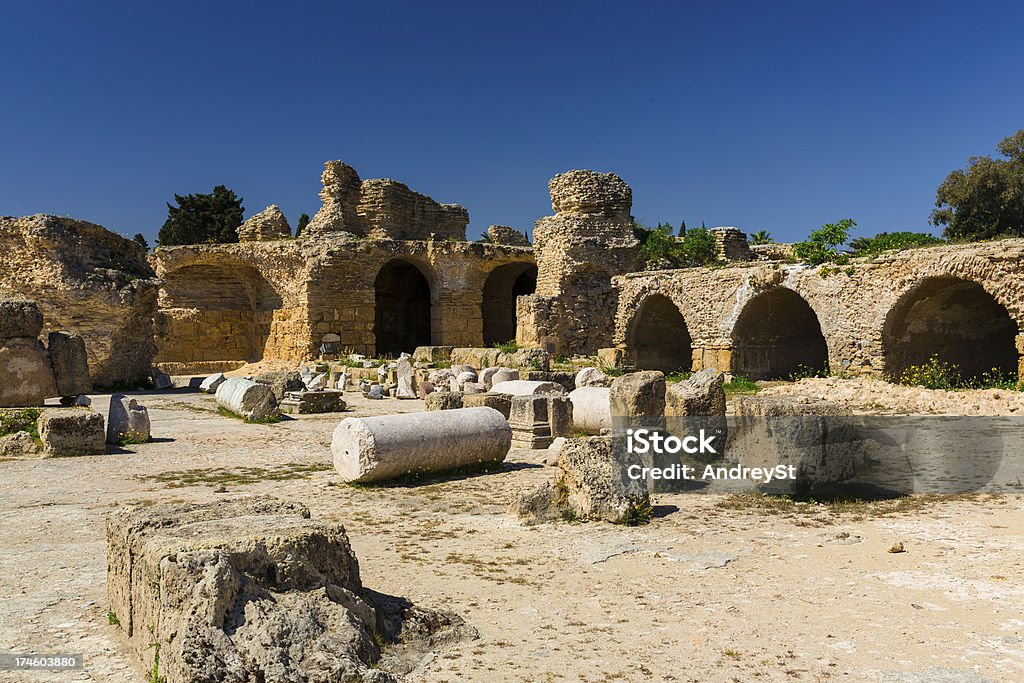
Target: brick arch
[(504, 284), (657, 336), (777, 333), (404, 300)]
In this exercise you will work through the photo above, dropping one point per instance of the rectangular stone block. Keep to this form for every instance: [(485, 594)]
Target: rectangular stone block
[(72, 431), (70, 363), (432, 354), (310, 402), (500, 402)]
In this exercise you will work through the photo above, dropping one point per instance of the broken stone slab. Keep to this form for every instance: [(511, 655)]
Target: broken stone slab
[(699, 395), (432, 354), (70, 363), (27, 378), (523, 387), (210, 384), (405, 379), (424, 389), (72, 431), (591, 409), (503, 375), (473, 388), (312, 402), (537, 359), (500, 402), (250, 400), (440, 378), (566, 379), (443, 400), (253, 589), (379, 448), (161, 380), (594, 487), (475, 357), (18, 445), (282, 381), (486, 374), (592, 377), (127, 421), (317, 383), (638, 398), (536, 420), (20, 318)]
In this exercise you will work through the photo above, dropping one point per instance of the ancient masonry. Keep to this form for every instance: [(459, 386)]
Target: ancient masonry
[(381, 270)]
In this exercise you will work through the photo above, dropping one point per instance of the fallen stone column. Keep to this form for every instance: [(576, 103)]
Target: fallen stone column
[(248, 399), (591, 410), (378, 448)]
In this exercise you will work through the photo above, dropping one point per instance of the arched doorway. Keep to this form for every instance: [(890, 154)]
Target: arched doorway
[(777, 335), (955, 320), (402, 313), (659, 338), (498, 306)]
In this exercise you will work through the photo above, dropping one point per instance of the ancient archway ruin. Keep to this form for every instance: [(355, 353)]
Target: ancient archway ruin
[(217, 312), (402, 300), (952, 319), (776, 336), (498, 306), (658, 338)]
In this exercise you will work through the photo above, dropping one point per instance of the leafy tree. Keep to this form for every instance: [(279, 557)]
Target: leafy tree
[(885, 241), (141, 239), (986, 199), (762, 237), (203, 218), (301, 225), (823, 244), (682, 228), (659, 248)]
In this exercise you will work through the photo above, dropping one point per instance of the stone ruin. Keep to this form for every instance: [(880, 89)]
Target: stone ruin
[(268, 225)]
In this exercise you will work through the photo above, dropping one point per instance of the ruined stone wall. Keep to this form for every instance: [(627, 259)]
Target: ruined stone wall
[(579, 249), (89, 281), (267, 225), (382, 209), (857, 307)]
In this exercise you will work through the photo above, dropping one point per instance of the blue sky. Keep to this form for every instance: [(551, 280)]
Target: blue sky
[(778, 116)]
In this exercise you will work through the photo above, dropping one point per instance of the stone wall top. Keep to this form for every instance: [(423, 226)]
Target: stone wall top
[(590, 193)]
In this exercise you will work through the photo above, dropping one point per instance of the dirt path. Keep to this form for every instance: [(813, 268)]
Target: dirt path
[(716, 588)]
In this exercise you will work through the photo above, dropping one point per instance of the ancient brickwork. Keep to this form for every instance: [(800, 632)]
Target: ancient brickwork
[(579, 249), (268, 224), (731, 245), (88, 281), (381, 209), (504, 234)]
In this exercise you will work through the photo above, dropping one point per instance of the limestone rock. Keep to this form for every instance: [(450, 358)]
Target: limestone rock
[(591, 409), (405, 378), (638, 395), (20, 318), (699, 395), (594, 487), (127, 420), (537, 419), (268, 224), (281, 382), (500, 402), (18, 445), (432, 354), (70, 363), (312, 402), (250, 400), (72, 431), (161, 380), (27, 378), (566, 379), (440, 378), (503, 375), (443, 400), (210, 384), (503, 234), (252, 589), (592, 377), (590, 193)]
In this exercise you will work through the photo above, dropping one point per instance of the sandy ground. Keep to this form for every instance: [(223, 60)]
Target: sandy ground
[(716, 588)]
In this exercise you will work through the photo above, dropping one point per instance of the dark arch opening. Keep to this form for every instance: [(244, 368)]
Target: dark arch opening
[(498, 307), (776, 336), (955, 320), (659, 338), (402, 316)]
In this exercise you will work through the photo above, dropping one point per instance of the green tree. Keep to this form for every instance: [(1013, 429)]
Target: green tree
[(203, 218), (823, 244), (301, 225), (985, 199), (682, 228), (141, 239), (660, 249), (761, 237)]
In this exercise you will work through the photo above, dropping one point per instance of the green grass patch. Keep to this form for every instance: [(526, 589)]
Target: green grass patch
[(740, 385), (507, 347), (20, 420), (236, 476)]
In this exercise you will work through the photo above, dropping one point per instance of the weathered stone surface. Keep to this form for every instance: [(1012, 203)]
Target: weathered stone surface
[(504, 375), (522, 387), (589, 193), (432, 354), (20, 318), (486, 375), (443, 400), (592, 377), (268, 224), (534, 358), (473, 388), (88, 281), (210, 384), (699, 395), (70, 363), (591, 409), (18, 445), (500, 402), (381, 448), (161, 380), (127, 420), (27, 378), (537, 419), (252, 589), (638, 395), (566, 379), (72, 431), (308, 402), (462, 378), (538, 505), (281, 382), (503, 234), (588, 470), (250, 400)]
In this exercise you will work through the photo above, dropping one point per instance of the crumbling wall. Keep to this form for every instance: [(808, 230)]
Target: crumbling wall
[(268, 224), (855, 306), (88, 281), (578, 250)]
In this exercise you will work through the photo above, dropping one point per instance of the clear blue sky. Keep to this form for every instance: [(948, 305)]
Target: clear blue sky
[(778, 116)]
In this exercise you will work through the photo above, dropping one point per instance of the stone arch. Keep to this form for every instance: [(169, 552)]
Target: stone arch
[(955, 319), (777, 334), (503, 286), (215, 312), (403, 299), (658, 338)]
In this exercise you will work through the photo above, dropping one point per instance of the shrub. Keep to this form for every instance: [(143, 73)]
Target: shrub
[(823, 244), (507, 347), (894, 241), (658, 247), (933, 374)]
